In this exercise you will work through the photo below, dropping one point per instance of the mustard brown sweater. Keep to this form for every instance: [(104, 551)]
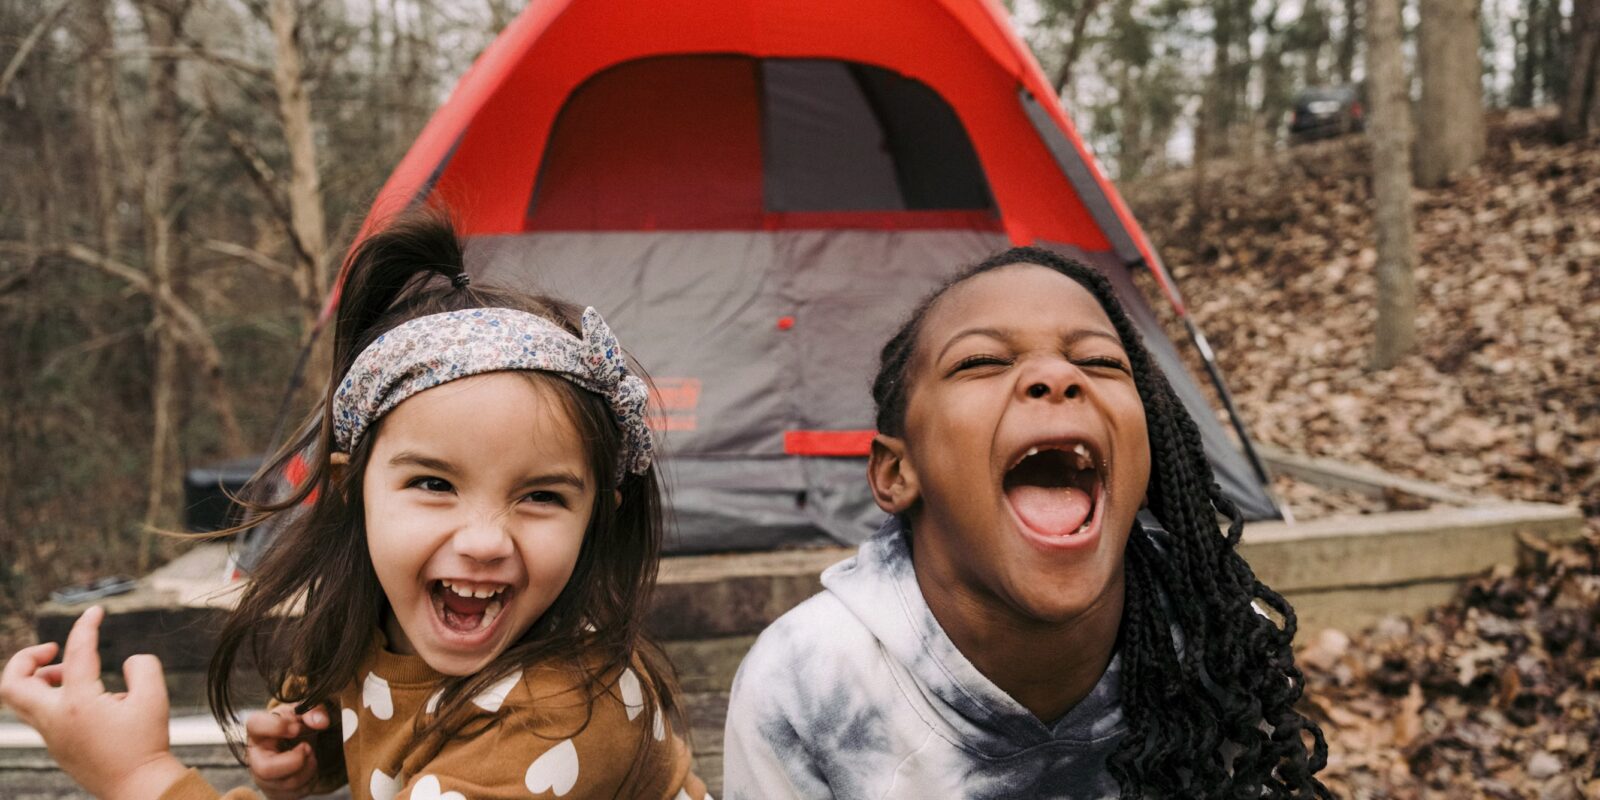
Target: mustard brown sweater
[(541, 747)]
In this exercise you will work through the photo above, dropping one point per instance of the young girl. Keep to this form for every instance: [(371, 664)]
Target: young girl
[(1017, 628), (484, 531)]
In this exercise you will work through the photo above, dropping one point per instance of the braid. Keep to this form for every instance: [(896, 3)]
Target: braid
[(1208, 682)]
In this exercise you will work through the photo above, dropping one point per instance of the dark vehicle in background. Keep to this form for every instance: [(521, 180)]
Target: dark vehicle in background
[(1321, 112)]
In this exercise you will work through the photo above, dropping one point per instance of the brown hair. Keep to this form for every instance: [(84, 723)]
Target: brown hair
[(319, 556)]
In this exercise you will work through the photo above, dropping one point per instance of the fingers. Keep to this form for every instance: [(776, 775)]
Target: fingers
[(50, 674), (147, 687), (316, 718), (22, 682), (288, 768), (271, 726), (81, 664)]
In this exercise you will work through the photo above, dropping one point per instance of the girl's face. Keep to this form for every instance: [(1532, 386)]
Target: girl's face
[(1025, 456), (477, 496)]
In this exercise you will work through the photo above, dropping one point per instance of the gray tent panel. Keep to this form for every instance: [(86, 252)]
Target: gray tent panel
[(704, 306)]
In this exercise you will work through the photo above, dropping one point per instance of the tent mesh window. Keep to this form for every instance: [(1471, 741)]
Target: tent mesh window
[(732, 142)]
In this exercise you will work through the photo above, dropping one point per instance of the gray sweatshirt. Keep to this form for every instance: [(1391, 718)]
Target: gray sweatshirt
[(858, 693)]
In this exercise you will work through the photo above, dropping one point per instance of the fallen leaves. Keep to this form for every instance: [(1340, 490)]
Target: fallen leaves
[(1502, 395), (1494, 695), (1498, 693)]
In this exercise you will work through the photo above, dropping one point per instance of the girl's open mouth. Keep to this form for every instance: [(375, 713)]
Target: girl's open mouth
[(1055, 490), (466, 607)]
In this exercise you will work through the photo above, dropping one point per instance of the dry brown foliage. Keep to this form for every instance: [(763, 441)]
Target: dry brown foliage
[(1498, 693)]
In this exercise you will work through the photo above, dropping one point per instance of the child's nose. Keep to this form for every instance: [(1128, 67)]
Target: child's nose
[(483, 539), (1052, 380)]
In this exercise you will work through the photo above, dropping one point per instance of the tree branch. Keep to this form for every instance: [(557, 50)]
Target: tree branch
[(30, 42), (267, 263), (190, 51)]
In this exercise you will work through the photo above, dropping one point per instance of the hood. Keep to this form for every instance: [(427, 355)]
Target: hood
[(879, 587)]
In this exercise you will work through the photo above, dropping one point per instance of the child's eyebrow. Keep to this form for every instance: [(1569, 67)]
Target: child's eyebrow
[(1004, 335), (407, 457), (561, 478), (992, 333)]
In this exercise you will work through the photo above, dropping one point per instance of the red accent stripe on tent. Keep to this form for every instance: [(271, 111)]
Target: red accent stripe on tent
[(828, 443)]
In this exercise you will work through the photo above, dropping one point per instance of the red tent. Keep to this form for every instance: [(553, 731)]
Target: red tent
[(755, 192)]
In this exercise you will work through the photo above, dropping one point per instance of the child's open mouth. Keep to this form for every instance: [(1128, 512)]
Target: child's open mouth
[(1054, 489), (466, 607)]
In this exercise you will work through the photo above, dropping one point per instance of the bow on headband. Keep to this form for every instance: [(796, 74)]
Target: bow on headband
[(439, 348)]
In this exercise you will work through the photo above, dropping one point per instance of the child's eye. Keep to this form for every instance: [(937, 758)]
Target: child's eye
[(543, 497), (1105, 361), (979, 361), (429, 483)]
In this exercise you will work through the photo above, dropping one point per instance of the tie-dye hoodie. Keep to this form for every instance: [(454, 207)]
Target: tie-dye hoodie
[(858, 693)]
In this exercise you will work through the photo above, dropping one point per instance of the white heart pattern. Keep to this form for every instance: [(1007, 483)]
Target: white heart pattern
[(428, 789), (492, 698), (632, 695), (348, 719), (555, 771), (433, 702), (375, 695), (682, 795), (383, 787), (660, 729)]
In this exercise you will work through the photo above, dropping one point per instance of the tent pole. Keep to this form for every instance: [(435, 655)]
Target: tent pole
[(1215, 374)]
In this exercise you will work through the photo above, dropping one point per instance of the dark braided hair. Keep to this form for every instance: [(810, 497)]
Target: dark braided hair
[(1205, 675)]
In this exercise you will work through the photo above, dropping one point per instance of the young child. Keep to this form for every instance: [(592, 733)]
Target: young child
[(484, 530), (1017, 628)]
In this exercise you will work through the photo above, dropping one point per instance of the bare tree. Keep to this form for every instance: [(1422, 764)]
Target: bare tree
[(1075, 44), (1390, 132), (1349, 39), (163, 22), (308, 227), (1580, 104), (1451, 110)]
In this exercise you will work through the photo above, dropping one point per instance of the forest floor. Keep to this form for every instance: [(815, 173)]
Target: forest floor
[(1498, 693)]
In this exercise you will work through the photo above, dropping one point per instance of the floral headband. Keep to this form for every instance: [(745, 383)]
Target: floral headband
[(439, 348)]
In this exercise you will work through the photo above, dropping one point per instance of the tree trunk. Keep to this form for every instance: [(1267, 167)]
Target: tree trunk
[(162, 23), (1390, 131), (1579, 105), (1080, 23), (1525, 74), (1349, 40), (307, 222), (1451, 111), (99, 43)]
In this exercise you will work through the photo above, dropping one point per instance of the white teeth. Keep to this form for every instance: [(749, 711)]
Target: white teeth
[(490, 612), (480, 592), (1080, 451), (1032, 451)]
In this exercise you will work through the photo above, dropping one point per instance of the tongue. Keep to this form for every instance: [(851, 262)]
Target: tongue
[(462, 613), (1054, 510), (464, 606)]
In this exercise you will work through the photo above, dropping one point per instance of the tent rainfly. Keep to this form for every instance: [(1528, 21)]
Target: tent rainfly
[(755, 193)]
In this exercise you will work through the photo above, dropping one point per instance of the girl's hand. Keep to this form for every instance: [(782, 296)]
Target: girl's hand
[(114, 745), (281, 759)]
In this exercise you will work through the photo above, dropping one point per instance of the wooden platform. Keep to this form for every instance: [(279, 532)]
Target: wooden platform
[(1338, 572)]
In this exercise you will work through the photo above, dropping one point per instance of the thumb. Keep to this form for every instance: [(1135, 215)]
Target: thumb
[(147, 686)]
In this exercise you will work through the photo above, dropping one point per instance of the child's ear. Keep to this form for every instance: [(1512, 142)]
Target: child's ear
[(893, 479)]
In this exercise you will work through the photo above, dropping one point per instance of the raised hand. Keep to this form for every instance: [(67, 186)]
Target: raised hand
[(279, 753), (114, 745)]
